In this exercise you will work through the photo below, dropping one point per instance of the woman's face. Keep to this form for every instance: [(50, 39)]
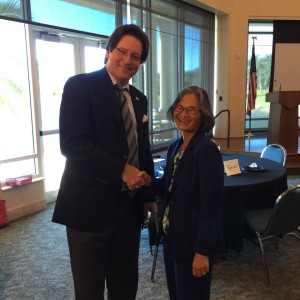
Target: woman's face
[(187, 115)]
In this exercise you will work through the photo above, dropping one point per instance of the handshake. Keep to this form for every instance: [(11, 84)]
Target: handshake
[(134, 178)]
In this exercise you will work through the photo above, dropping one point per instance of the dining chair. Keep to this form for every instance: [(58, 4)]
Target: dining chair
[(155, 255), (158, 238), (282, 219), (275, 152)]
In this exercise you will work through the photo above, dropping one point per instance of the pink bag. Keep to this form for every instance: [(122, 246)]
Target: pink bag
[(3, 214)]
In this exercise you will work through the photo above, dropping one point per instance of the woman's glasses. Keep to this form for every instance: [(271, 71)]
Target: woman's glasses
[(190, 110)]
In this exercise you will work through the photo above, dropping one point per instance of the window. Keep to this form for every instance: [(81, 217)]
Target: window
[(89, 16), (263, 31), (181, 54), (164, 76), (18, 151), (11, 9)]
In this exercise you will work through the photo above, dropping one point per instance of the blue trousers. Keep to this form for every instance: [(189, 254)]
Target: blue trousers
[(182, 285)]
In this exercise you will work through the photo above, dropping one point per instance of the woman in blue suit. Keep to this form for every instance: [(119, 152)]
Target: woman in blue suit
[(192, 186)]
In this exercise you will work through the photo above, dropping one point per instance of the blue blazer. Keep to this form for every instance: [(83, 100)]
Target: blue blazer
[(195, 199), (93, 140)]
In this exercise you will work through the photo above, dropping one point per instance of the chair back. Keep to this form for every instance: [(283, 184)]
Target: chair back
[(274, 152), (285, 217)]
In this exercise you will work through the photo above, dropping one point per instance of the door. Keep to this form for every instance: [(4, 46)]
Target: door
[(58, 58)]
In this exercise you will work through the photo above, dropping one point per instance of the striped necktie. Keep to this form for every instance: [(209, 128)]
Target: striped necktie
[(129, 128)]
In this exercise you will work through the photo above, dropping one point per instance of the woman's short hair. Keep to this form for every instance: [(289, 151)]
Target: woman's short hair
[(207, 119), (132, 30)]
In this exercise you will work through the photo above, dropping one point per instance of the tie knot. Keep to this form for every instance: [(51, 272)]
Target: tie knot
[(119, 88)]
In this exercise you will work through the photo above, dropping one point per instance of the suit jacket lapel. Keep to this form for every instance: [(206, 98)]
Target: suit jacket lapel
[(111, 98), (172, 154), (187, 152), (137, 109)]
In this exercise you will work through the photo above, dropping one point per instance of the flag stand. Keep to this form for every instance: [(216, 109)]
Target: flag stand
[(249, 135)]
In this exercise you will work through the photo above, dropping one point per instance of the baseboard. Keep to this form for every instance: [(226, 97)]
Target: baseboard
[(26, 209)]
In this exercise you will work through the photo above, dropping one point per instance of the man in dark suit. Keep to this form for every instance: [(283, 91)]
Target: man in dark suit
[(103, 197)]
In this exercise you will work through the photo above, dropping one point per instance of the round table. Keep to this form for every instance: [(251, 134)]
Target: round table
[(246, 191), (270, 170)]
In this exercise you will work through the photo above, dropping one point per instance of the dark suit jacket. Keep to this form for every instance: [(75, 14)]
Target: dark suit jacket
[(195, 198), (93, 140)]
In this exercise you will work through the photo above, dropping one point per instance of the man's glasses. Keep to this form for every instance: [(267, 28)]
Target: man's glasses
[(133, 56), (190, 110)]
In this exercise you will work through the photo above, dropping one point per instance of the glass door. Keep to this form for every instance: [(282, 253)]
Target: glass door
[(58, 58)]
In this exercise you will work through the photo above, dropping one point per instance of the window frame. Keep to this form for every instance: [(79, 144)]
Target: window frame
[(254, 120)]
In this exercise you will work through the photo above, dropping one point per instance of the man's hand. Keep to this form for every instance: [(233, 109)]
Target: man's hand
[(152, 208), (134, 178), (145, 178)]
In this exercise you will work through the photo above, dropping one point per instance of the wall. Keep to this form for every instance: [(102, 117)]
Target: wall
[(24, 200), (232, 39)]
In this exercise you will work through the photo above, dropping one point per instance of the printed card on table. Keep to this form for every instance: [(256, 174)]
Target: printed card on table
[(232, 167)]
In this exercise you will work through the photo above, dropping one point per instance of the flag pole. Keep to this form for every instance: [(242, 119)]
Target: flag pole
[(252, 88)]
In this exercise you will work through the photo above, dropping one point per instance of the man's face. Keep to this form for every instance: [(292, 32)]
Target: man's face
[(123, 61)]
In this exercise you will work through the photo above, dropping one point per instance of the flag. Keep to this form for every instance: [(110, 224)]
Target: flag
[(252, 83)]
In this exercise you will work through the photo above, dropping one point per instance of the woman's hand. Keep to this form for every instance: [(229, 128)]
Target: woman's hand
[(150, 207), (200, 265)]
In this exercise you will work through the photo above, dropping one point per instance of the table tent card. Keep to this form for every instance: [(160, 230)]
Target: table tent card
[(232, 167)]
